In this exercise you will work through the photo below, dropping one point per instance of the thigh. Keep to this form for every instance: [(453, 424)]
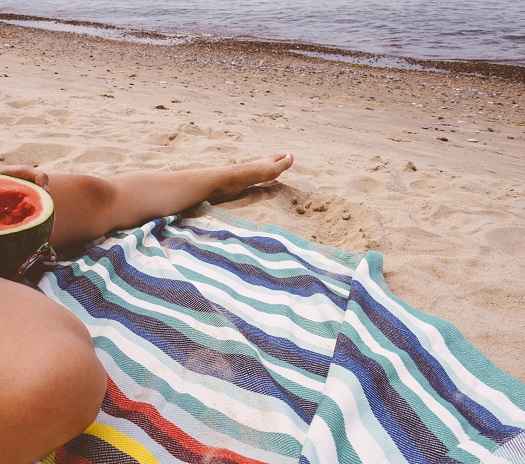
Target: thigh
[(81, 204), (51, 381)]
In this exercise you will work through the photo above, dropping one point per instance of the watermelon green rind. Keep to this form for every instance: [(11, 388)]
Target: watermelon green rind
[(19, 243)]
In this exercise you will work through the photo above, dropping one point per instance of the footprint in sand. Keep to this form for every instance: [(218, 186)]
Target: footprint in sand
[(365, 184), (185, 132), (19, 104), (6, 120), (193, 129), (197, 131), (62, 116), (378, 164), (235, 136), (32, 121), (53, 135), (222, 149), (473, 186), (509, 240), (427, 184), (469, 221), (416, 239), (467, 216), (163, 140), (145, 157), (59, 113), (34, 153), (106, 154), (197, 139)]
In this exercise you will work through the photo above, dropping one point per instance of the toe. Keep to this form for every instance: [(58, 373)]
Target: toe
[(284, 162), (280, 164), (279, 157)]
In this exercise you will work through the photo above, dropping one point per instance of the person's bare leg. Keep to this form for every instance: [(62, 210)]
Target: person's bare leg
[(52, 383), (87, 207)]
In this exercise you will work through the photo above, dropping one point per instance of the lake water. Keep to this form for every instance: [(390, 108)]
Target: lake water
[(492, 30)]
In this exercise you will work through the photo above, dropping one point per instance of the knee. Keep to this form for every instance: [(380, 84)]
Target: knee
[(97, 190), (55, 389), (75, 381), (100, 195), (69, 379)]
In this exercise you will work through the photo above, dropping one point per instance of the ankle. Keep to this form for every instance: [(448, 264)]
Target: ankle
[(226, 177)]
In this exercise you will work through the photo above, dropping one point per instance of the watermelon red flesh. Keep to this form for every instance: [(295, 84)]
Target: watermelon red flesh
[(26, 222), (14, 209), (19, 204)]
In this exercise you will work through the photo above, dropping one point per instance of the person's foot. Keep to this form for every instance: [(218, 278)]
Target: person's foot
[(242, 176)]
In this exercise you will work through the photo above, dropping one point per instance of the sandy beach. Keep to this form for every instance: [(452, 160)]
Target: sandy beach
[(427, 168)]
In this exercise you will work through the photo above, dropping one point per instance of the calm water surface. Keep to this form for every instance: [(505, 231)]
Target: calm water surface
[(438, 29)]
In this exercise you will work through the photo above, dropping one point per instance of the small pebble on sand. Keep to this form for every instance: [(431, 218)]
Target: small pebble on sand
[(161, 107), (300, 210), (346, 216), (443, 139), (410, 167)]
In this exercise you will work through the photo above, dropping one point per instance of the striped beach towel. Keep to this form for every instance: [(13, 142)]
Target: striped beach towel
[(230, 343)]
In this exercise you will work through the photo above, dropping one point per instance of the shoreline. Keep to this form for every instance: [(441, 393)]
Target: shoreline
[(324, 52), (426, 168)]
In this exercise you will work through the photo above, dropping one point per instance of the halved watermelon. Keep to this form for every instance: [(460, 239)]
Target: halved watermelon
[(26, 221)]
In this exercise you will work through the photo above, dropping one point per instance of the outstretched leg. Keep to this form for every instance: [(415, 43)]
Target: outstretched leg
[(88, 207), (52, 383)]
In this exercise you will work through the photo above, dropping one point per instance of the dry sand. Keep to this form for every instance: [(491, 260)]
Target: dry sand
[(370, 173)]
